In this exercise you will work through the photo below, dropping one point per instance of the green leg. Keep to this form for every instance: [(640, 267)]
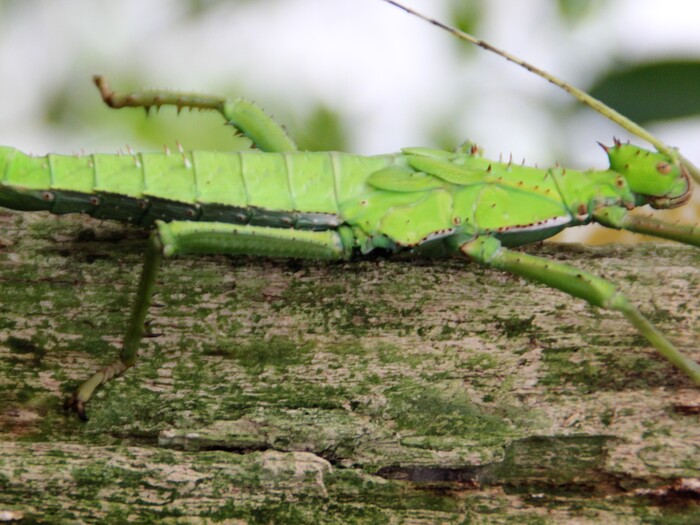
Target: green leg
[(578, 283), (244, 115), (135, 330), (621, 219), (183, 237)]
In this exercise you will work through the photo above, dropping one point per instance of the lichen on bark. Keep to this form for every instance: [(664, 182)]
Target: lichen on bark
[(369, 392)]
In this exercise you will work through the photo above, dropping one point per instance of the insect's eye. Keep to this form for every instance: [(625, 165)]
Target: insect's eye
[(664, 168)]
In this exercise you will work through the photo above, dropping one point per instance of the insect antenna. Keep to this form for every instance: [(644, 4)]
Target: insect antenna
[(579, 94)]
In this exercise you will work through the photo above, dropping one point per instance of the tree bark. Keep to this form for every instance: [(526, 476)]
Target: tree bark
[(385, 391)]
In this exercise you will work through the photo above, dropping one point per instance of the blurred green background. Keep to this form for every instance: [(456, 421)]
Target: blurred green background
[(354, 75)]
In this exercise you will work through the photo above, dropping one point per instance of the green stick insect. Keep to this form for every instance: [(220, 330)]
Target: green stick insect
[(278, 201)]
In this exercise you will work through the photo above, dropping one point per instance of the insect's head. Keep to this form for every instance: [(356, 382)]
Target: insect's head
[(663, 182)]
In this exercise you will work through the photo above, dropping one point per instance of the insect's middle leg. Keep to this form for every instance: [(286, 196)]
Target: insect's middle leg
[(184, 237), (244, 115), (595, 290)]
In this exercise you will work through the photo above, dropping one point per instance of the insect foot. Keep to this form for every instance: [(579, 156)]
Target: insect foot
[(77, 401)]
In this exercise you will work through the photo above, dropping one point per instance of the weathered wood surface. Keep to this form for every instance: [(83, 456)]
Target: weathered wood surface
[(373, 392)]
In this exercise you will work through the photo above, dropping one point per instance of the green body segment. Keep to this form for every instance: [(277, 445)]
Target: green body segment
[(270, 189), (405, 200)]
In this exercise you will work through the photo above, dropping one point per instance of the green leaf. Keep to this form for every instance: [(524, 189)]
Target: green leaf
[(652, 90)]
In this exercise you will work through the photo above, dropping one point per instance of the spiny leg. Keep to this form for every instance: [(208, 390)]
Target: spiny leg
[(621, 219), (595, 290), (244, 115), (184, 237)]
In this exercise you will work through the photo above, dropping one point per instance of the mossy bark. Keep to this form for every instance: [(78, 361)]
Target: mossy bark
[(372, 392)]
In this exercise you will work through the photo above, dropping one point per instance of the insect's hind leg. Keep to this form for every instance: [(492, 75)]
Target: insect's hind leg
[(244, 115), (184, 237), (134, 334), (595, 290)]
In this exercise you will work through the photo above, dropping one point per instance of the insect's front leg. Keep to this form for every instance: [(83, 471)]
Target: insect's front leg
[(244, 115), (619, 218), (597, 291)]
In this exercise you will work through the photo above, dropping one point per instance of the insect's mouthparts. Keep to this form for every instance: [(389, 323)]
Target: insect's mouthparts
[(666, 202)]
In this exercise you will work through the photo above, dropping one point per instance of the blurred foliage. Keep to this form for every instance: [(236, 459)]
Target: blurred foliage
[(466, 16), (574, 11), (322, 130), (651, 91), (196, 8), (444, 134)]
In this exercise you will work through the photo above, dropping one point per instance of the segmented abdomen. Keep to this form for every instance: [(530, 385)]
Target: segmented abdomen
[(270, 189)]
